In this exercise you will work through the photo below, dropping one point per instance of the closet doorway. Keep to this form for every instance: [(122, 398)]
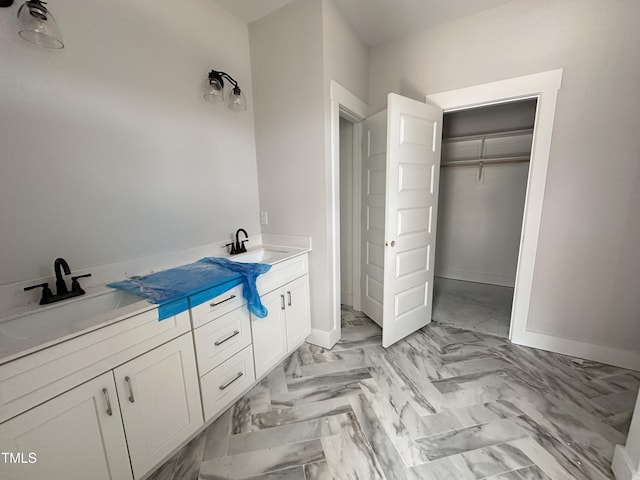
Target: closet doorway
[(485, 161), (349, 214)]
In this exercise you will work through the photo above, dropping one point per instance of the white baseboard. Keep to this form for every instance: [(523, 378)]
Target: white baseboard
[(323, 338), (477, 277), (574, 348), (346, 299), (621, 465)]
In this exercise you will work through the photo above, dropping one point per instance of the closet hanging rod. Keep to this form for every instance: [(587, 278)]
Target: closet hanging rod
[(485, 163)]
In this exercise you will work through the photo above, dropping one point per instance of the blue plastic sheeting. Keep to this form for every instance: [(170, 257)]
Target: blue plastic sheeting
[(174, 289), (249, 272)]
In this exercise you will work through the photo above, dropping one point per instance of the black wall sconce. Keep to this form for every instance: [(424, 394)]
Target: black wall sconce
[(37, 25), (215, 93)]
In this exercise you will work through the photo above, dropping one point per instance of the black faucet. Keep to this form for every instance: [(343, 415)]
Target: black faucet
[(238, 246), (62, 292), (61, 286)]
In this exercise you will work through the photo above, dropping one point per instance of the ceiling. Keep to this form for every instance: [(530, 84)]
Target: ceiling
[(377, 21)]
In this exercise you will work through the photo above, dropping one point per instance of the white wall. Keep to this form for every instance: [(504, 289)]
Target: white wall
[(346, 57), (108, 151), (346, 212), (587, 266), (293, 61), (479, 223), (287, 69)]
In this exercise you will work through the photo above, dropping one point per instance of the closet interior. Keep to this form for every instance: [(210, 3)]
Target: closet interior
[(483, 184)]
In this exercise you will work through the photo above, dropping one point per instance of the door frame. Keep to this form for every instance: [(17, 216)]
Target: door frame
[(544, 86), (343, 104)]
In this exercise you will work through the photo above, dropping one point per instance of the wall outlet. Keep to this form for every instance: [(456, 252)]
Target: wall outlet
[(264, 218)]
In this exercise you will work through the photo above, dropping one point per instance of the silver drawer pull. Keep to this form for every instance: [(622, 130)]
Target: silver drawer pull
[(222, 301), (220, 342), (222, 387), (289, 295), (282, 302), (128, 380), (106, 397)]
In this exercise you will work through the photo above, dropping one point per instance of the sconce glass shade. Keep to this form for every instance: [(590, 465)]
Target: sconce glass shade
[(215, 93), (38, 26), (237, 100)]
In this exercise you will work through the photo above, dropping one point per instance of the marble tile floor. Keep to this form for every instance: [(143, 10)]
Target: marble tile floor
[(473, 306), (443, 403)]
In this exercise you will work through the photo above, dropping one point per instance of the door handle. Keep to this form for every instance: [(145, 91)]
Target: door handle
[(289, 296), (106, 397), (393, 243), (282, 302), (128, 380)]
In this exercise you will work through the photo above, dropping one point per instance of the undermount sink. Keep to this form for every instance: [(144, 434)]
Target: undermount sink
[(262, 255), (66, 317)]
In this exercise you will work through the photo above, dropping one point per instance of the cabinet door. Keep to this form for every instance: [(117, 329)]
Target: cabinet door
[(160, 401), (78, 434), (270, 333), (298, 312)]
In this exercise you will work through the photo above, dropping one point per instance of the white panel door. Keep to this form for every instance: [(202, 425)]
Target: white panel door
[(374, 154), (78, 434), (160, 401), (414, 138)]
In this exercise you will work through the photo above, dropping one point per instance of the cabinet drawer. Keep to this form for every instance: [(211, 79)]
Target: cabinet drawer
[(216, 306), (282, 273), (31, 380), (222, 338), (223, 384)]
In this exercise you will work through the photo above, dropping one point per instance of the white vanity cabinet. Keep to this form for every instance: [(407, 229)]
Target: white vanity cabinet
[(78, 434), (288, 323), (160, 401), (114, 402), (119, 397)]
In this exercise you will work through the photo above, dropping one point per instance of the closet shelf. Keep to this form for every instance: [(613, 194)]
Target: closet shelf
[(499, 147), (497, 134), (485, 162)]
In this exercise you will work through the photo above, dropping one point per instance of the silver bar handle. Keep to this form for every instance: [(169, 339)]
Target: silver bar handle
[(222, 301), (220, 342), (106, 397), (222, 387), (289, 295), (128, 380), (282, 302)]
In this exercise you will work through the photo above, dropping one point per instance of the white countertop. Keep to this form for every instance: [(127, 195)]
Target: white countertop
[(43, 335)]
